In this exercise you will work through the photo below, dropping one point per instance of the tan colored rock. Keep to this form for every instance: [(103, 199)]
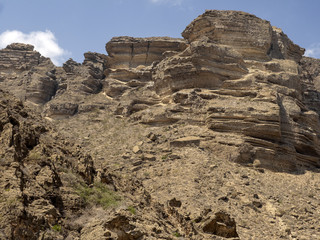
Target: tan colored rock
[(136, 149), (251, 36), (258, 108), (283, 48), (247, 34), (61, 110), (221, 225), (310, 76), (149, 157), (41, 89), (97, 63), (130, 59), (37, 86), (199, 66), (186, 141), (19, 56), (129, 52)]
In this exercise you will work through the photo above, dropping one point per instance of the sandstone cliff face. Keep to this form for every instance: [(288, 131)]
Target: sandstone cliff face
[(248, 34), (253, 37), (34, 79), (129, 52), (19, 56), (75, 82), (17, 61), (185, 130), (201, 65), (130, 60), (310, 76), (258, 99)]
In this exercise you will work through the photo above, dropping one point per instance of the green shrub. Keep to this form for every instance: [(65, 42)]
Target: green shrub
[(99, 194), (165, 157), (132, 210), (56, 228), (34, 156)]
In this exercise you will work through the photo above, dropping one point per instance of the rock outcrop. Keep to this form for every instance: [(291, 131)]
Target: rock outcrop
[(201, 65), (251, 36), (129, 52), (310, 77), (130, 60), (26, 73), (258, 99), (212, 136), (35, 189), (19, 56), (75, 82)]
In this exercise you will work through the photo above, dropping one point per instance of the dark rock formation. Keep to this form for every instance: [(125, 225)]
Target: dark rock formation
[(35, 192)]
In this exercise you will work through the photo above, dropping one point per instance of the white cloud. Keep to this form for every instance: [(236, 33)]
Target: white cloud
[(313, 51), (43, 42), (173, 2)]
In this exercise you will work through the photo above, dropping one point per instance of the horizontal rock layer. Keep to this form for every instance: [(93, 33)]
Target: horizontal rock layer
[(253, 37), (166, 122), (19, 57), (202, 64), (129, 52)]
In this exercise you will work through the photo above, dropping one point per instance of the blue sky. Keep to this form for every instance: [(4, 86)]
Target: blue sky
[(65, 29)]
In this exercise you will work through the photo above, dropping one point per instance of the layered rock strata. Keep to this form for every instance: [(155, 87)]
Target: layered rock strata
[(26, 73), (251, 36), (130, 60), (19, 56), (167, 122), (129, 52), (202, 64), (255, 97), (245, 73)]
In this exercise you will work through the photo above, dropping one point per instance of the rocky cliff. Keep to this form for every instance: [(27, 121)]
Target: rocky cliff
[(212, 136)]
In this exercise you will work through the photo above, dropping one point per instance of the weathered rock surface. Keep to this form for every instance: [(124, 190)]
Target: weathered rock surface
[(251, 36), (75, 82), (19, 56), (310, 76), (201, 65), (23, 71), (129, 52), (130, 60), (283, 48), (260, 100), (185, 132), (35, 192)]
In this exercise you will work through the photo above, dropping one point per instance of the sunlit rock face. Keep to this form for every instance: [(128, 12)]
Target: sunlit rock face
[(23, 72), (129, 52), (251, 36), (163, 138), (256, 91)]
